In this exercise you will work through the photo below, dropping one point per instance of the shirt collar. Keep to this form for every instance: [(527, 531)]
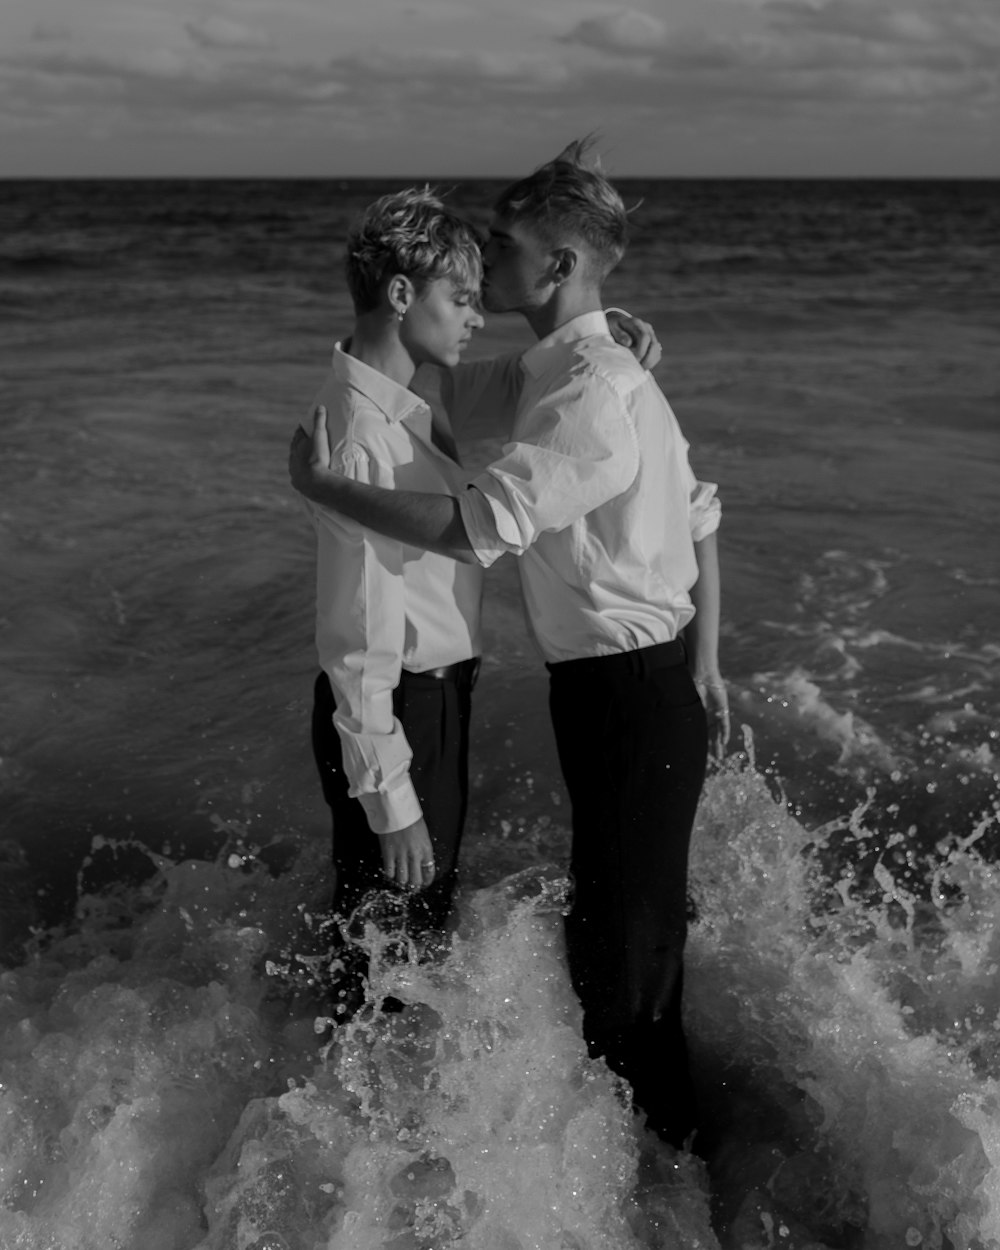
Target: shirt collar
[(391, 398), (583, 327)]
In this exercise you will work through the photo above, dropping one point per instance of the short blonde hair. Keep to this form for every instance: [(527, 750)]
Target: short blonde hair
[(412, 233), (571, 194)]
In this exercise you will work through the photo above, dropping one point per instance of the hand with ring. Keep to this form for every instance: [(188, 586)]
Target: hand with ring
[(407, 856)]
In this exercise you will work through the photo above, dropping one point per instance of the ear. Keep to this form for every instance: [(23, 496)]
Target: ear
[(400, 293), (566, 262)]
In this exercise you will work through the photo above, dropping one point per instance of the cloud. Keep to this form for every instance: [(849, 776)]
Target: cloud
[(475, 72), (50, 32), (840, 63), (627, 31), (855, 19), (692, 74), (166, 80), (838, 54), (966, 31), (224, 32)]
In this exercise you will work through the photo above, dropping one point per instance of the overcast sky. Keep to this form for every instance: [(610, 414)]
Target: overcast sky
[(461, 87)]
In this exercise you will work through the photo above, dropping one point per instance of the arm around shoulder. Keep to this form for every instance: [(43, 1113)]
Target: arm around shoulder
[(418, 519)]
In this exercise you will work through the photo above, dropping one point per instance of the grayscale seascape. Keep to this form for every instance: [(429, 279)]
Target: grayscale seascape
[(831, 351)]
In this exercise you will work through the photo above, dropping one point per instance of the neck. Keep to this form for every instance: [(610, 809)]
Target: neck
[(563, 306), (375, 342)]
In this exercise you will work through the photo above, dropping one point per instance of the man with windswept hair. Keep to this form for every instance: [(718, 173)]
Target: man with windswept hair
[(397, 630), (619, 571)]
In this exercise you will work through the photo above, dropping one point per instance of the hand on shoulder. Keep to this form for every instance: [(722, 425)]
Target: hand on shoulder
[(637, 335)]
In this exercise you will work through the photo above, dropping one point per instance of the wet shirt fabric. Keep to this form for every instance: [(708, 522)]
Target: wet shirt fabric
[(382, 606), (594, 493)]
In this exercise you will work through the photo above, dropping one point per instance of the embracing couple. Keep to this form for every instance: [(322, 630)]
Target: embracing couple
[(616, 549)]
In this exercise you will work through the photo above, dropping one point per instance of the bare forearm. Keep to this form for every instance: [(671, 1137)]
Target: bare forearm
[(702, 634), (702, 638), (432, 522)]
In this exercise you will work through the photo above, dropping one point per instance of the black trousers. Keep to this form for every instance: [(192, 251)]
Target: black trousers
[(434, 713), (632, 740)]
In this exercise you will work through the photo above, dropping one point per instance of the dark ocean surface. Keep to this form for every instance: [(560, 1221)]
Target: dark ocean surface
[(832, 351)]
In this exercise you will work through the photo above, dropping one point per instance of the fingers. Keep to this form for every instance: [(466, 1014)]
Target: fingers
[(647, 346), (719, 733), (320, 438), (410, 873), (715, 698), (653, 354), (424, 875), (644, 345), (407, 857), (309, 453)]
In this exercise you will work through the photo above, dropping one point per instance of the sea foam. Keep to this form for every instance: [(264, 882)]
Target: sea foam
[(162, 1090)]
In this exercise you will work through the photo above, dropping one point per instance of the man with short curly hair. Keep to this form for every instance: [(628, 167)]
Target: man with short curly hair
[(397, 630)]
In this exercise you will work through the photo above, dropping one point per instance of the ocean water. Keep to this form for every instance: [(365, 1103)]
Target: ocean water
[(830, 350)]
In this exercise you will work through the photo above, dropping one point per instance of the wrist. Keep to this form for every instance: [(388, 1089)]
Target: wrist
[(324, 485), (709, 677)]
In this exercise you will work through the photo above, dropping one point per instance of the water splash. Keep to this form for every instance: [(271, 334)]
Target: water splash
[(850, 1024), (161, 1091), (472, 1116)]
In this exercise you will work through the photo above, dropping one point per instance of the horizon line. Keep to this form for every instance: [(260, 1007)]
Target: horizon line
[(201, 177)]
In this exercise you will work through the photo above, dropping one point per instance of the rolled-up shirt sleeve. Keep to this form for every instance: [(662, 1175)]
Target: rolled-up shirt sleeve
[(704, 505), (705, 510), (360, 629), (584, 451)]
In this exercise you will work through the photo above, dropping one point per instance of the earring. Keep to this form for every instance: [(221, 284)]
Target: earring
[(400, 314)]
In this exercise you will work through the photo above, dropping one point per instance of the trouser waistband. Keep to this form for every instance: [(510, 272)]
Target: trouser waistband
[(638, 662), (465, 671)]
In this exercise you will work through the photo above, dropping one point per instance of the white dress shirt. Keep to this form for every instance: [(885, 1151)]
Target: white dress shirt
[(382, 606), (594, 494)]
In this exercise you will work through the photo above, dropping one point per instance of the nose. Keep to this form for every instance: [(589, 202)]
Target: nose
[(476, 320)]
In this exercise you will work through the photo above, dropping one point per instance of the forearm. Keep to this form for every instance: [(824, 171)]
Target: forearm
[(360, 636), (702, 634), (432, 522)]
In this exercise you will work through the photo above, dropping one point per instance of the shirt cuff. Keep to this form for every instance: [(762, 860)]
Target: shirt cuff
[(480, 521), (706, 510), (389, 810)]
